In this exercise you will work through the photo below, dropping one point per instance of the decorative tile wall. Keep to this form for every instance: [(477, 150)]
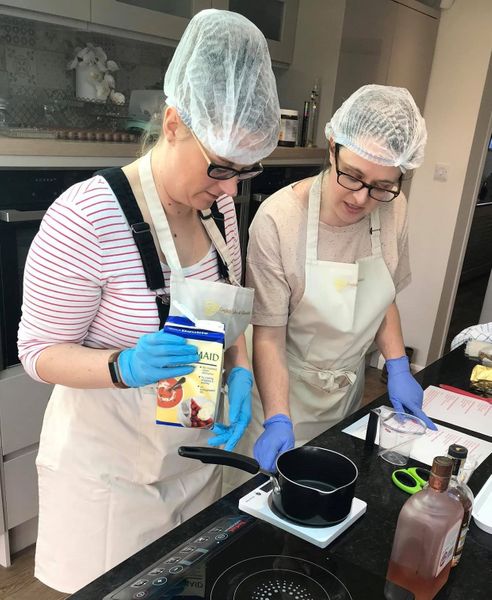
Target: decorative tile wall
[(21, 68), (33, 66)]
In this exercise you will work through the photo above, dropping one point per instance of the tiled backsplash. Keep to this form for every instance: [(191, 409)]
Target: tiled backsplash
[(33, 69)]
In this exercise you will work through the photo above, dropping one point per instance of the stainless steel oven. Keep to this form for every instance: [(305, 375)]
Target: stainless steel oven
[(253, 192), (275, 178), (24, 197)]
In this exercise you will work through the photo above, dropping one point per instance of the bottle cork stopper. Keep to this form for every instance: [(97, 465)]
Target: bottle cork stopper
[(442, 466)]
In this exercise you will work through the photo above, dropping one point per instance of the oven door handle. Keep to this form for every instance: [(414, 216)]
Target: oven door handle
[(11, 215)]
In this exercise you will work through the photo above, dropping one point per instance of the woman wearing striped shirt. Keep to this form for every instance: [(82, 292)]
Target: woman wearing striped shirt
[(110, 479)]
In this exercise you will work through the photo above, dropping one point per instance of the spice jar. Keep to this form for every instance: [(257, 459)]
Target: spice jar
[(288, 127)]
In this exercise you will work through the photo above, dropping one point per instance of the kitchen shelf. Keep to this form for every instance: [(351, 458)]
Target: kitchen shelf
[(15, 152)]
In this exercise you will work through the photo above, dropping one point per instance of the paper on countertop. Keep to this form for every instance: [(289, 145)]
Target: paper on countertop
[(464, 411), (432, 443)]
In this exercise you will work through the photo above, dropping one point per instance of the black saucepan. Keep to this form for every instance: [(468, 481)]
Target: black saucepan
[(312, 486)]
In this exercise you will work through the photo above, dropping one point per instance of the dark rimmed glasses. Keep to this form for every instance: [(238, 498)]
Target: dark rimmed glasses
[(353, 184), (223, 173)]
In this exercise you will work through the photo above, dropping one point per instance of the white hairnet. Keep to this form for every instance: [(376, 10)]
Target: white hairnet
[(221, 82), (382, 124)]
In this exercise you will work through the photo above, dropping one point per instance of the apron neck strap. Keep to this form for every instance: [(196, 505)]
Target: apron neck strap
[(375, 231), (219, 243), (157, 213), (314, 206)]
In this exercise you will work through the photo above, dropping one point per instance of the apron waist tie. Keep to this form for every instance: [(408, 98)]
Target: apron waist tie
[(326, 379)]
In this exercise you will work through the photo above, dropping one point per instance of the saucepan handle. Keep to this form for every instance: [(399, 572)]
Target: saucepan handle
[(216, 456)]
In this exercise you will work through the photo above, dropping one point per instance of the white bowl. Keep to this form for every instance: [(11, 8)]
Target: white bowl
[(482, 509)]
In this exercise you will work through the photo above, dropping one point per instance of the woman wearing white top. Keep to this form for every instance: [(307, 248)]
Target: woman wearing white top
[(110, 479)]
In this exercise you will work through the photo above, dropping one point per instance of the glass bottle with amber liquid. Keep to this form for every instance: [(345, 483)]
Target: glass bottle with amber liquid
[(425, 538), (459, 490)]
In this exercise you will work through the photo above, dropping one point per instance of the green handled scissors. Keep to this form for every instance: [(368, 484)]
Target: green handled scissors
[(410, 480)]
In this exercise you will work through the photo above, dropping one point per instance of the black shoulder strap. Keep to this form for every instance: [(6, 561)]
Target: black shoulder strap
[(218, 217), (142, 236)]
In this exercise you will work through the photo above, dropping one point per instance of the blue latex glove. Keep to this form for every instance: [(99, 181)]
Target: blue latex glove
[(239, 384), (277, 437), (405, 392), (156, 356)]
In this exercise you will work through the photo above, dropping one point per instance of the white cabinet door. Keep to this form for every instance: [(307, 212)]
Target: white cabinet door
[(276, 19), (3, 525), (21, 488), (387, 43), (79, 9), (22, 405), (365, 50), (414, 35), (162, 18)]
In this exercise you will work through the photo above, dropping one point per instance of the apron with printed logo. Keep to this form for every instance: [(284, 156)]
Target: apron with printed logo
[(328, 335), (111, 480)]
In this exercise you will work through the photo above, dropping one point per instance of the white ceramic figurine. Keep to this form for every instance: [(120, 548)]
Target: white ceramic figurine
[(94, 80)]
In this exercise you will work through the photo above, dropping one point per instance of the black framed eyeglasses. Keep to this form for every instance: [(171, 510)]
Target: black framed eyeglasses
[(223, 173), (352, 183)]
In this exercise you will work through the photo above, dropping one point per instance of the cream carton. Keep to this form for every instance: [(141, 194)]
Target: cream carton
[(194, 400)]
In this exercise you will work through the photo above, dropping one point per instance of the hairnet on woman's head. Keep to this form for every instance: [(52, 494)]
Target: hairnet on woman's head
[(382, 124), (220, 80)]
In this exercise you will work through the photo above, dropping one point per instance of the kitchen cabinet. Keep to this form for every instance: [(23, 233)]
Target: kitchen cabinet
[(80, 10), (276, 19), (167, 19), (22, 405), (388, 42), (4, 534), (162, 18), (21, 488), (414, 39)]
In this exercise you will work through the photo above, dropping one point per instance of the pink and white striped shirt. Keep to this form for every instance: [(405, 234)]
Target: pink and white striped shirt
[(84, 281)]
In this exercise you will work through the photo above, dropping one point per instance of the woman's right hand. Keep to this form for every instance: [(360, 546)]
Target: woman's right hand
[(156, 356), (277, 438)]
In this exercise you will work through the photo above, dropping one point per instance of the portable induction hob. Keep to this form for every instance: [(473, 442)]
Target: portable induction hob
[(258, 504), (242, 558)]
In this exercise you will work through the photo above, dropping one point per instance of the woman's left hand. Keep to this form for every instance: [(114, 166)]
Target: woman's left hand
[(240, 385), (404, 391)]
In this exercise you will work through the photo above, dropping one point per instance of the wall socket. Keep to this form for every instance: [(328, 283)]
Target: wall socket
[(441, 172)]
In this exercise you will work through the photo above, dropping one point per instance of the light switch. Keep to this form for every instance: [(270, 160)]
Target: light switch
[(441, 172)]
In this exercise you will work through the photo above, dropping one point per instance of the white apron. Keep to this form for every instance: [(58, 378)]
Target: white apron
[(229, 304), (110, 479), (328, 335)]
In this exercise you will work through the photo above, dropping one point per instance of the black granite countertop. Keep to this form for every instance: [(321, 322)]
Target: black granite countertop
[(368, 542)]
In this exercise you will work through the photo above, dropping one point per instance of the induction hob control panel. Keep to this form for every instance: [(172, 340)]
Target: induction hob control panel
[(166, 574)]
